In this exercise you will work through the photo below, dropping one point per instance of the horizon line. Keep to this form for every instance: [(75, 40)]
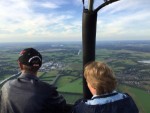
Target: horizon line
[(71, 41)]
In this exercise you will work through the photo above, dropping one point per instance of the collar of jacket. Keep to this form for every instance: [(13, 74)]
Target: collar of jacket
[(28, 76), (105, 99), (105, 95)]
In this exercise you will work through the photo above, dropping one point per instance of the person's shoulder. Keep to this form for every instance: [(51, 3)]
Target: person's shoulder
[(80, 101), (125, 95), (7, 84), (128, 103), (46, 86), (81, 106), (129, 98)]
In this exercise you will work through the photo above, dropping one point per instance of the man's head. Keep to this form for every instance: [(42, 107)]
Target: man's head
[(100, 77), (30, 60)]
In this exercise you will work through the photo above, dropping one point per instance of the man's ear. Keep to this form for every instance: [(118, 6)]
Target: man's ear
[(92, 90), (20, 65)]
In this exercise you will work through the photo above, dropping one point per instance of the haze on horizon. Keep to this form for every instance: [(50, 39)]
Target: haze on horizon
[(44, 20)]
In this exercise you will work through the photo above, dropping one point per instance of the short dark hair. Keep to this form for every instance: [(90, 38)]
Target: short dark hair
[(30, 57), (29, 69)]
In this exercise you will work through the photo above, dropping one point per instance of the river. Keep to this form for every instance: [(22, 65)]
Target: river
[(145, 61)]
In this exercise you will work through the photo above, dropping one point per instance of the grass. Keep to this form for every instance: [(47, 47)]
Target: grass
[(40, 73), (47, 76), (76, 66), (73, 87), (63, 80), (4, 77), (69, 86)]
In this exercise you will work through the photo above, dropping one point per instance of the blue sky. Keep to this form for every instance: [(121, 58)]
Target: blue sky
[(61, 20)]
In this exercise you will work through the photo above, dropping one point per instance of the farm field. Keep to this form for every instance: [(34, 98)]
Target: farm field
[(72, 87), (47, 76), (62, 67)]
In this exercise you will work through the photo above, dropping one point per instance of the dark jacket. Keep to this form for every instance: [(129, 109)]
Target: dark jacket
[(112, 103), (27, 94)]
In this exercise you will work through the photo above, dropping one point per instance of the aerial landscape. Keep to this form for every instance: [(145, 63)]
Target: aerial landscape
[(62, 66), (55, 28)]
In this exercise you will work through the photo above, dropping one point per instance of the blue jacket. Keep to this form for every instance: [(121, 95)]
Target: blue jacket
[(110, 103), (28, 94)]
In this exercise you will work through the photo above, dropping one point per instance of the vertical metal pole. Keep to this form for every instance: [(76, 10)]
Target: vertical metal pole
[(88, 39), (89, 21), (91, 3)]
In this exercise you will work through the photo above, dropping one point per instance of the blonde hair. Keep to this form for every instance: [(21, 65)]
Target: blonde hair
[(100, 77)]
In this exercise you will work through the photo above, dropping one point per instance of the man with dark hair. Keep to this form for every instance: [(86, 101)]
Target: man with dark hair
[(27, 94)]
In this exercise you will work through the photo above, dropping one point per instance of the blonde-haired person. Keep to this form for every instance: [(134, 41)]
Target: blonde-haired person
[(102, 84)]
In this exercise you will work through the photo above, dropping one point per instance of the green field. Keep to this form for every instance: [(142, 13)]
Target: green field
[(73, 91), (72, 87), (121, 57), (47, 76), (63, 80), (4, 77)]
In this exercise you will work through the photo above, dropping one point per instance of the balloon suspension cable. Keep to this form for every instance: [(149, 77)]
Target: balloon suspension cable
[(107, 2), (83, 4)]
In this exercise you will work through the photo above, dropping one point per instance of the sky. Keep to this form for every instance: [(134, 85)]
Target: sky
[(61, 20)]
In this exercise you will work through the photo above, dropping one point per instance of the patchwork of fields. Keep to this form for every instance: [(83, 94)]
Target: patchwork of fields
[(71, 88), (62, 66)]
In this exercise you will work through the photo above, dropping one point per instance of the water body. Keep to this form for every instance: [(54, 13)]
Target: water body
[(145, 61), (79, 52)]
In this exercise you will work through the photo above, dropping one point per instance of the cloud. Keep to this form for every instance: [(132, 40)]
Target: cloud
[(124, 21), (23, 21), (29, 20), (77, 2), (49, 5)]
